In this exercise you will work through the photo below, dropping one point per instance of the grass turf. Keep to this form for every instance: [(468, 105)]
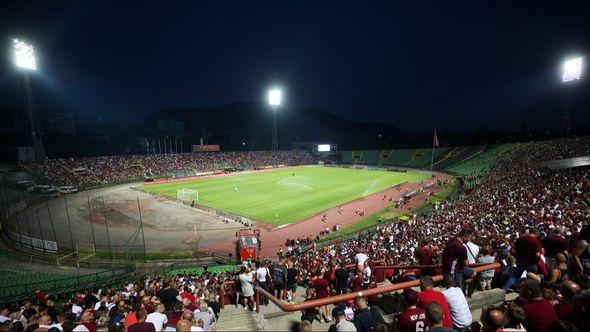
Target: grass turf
[(283, 196)]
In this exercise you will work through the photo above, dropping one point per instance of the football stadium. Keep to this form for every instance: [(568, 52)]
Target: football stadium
[(193, 171)]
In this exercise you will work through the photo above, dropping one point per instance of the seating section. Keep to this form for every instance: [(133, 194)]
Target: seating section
[(200, 270), (457, 155), (412, 158), (423, 157), (480, 162), (21, 284)]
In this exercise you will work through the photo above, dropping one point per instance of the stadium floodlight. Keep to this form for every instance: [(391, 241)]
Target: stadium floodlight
[(24, 55), (572, 69), (274, 100), (274, 97)]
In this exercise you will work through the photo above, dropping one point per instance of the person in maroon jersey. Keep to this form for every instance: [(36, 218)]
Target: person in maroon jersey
[(454, 259), (425, 256), (569, 289), (555, 243), (528, 253), (322, 290), (413, 319), (539, 312)]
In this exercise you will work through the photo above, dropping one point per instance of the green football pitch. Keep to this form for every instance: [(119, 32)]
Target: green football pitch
[(283, 196)]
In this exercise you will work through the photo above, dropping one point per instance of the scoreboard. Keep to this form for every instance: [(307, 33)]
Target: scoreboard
[(325, 149)]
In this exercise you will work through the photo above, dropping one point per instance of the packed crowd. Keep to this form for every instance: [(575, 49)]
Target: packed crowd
[(527, 217), (84, 172), (185, 302), (532, 220)]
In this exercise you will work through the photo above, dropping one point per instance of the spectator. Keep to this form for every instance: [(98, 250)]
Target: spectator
[(428, 294), (292, 276), (142, 325), (581, 253), (485, 277), (261, 274), (341, 279), (514, 318), (492, 320), (454, 258), (569, 289), (158, 318), (340, 322), (204, 315), (528, 254), (435, 316), (539, 312), (279, 279), (322, 290), (425, 255), (169, 294), (458, 307), (413, 318), (247, 288), (366, 319)]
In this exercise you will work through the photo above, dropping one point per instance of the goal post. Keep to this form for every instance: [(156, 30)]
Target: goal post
[(189, 195)]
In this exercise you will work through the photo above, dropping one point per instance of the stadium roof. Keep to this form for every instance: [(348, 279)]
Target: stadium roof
[(568, 163)]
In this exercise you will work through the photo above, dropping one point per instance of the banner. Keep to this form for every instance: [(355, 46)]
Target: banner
[(34, 243), (205, 148)]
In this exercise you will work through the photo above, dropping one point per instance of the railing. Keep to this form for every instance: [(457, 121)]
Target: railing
[(350, 296)]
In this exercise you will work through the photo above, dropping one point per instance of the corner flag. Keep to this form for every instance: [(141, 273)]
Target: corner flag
[(435, 139), (434, 144)]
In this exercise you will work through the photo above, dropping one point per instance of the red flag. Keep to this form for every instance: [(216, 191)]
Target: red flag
[(435, 139)]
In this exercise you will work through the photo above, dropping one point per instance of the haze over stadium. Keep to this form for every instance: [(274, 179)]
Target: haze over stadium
[(294, 165)]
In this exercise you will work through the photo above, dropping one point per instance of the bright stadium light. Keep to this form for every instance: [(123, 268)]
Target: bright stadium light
[(274, 100), (274, 97), (572, 69), (24, 55)]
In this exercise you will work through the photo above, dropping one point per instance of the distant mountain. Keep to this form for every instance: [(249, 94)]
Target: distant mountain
[(249, 126)]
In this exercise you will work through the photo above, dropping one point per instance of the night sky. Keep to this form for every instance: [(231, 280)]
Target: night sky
[(414, 64)]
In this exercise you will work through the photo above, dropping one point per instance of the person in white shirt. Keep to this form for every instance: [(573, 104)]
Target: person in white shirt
[(472, 251), (76, 309), (158, 318), (261, 275), (4, 315), (360, 258), (458, 307), (366, 273)]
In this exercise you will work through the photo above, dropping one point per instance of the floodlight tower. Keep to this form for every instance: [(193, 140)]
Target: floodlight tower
[(24, 59), (274, 100), (572, 72)]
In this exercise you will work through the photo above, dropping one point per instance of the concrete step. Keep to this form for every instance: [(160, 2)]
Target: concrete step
[(238, 319)]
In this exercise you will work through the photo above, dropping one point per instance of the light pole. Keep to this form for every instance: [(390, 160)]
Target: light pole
[(572, 72), (274, 100), (24, 58)]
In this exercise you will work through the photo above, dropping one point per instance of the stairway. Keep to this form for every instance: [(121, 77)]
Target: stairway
[(238, 319)]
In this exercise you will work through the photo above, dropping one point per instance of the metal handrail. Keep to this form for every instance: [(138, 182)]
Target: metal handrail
[(350, 296)]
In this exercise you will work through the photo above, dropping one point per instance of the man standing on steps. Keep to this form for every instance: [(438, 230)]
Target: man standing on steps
[(292, 277), (528, 253), (262, 275), (425, 256), (168, 295)]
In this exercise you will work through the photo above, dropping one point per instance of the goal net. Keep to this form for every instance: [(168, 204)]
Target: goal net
[(85, 251), (189, 195)]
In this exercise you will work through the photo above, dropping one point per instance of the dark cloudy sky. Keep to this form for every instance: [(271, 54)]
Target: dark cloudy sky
[(415, 64)]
